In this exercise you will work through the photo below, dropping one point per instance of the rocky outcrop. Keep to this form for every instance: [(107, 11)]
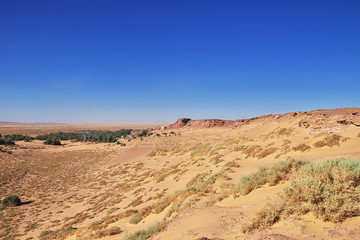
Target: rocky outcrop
[(317, 119), (179, 123), (206, 123)]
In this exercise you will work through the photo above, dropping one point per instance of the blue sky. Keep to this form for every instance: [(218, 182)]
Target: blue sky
[(156, 61)]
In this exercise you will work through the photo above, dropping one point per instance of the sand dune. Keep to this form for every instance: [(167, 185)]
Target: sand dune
[(183, 181)]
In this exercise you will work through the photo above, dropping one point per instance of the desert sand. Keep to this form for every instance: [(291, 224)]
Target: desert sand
[(181, 179)]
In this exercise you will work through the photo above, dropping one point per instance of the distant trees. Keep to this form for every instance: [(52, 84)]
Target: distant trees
[(52, 141), (61, 136), (9, 139), (55, 138), (6, 141), (143, 133)]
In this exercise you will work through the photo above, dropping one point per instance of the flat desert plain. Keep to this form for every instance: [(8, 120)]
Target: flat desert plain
[(289, 176)]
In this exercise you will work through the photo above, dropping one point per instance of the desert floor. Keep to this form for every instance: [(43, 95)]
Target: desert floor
[(182, 181)]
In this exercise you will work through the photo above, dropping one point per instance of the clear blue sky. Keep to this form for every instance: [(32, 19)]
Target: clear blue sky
[(156, 61)]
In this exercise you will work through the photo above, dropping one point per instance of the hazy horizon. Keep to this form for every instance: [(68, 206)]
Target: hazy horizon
[(140, 61)]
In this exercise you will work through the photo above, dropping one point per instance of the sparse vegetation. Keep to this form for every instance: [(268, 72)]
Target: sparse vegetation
[(107, 232), (5, 141), (239, 148), (43, 235), (52, 141), (137, 217), (145, 234), (253, 151), (301, 147), (272, 175), (119, 185), (266, 152), (330, 190), (330, 141)]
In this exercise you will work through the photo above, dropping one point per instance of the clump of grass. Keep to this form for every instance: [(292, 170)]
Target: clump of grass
[(301, 147), (43, 235), (330, 190), (281, 132), (285, 131), (11, 201), (107, 232), (145, 234), (197, 179), (330, 141), (239, 148), (161, 205), (65, 231), (136, 202), (266, 152), (268, 175), (205, 186), (232, 164), (200, 150), (253, 151), (135, 219)]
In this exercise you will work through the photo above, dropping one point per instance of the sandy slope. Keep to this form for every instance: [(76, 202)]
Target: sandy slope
[(96, 187)]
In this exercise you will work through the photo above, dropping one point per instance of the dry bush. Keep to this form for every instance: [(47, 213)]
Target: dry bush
[(200, 150), (43, 235), (166, 173), (266, 152), (301, 147), (104, 222), (161, 205), (169, 148), (232, 164), (330, 190), (214, 150), (286, 142), (197, 179), (107, 232), (239, 148), (137, 217), (272, 175), (330, 141), (135, 202), (145, 234), (285, 132), (253, 151), (280, 132), (206, 185)]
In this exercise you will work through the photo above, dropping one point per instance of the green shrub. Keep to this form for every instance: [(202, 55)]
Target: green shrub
[(143, 133), (52, 141), (6, 141), (11, 201), (268, 175)]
